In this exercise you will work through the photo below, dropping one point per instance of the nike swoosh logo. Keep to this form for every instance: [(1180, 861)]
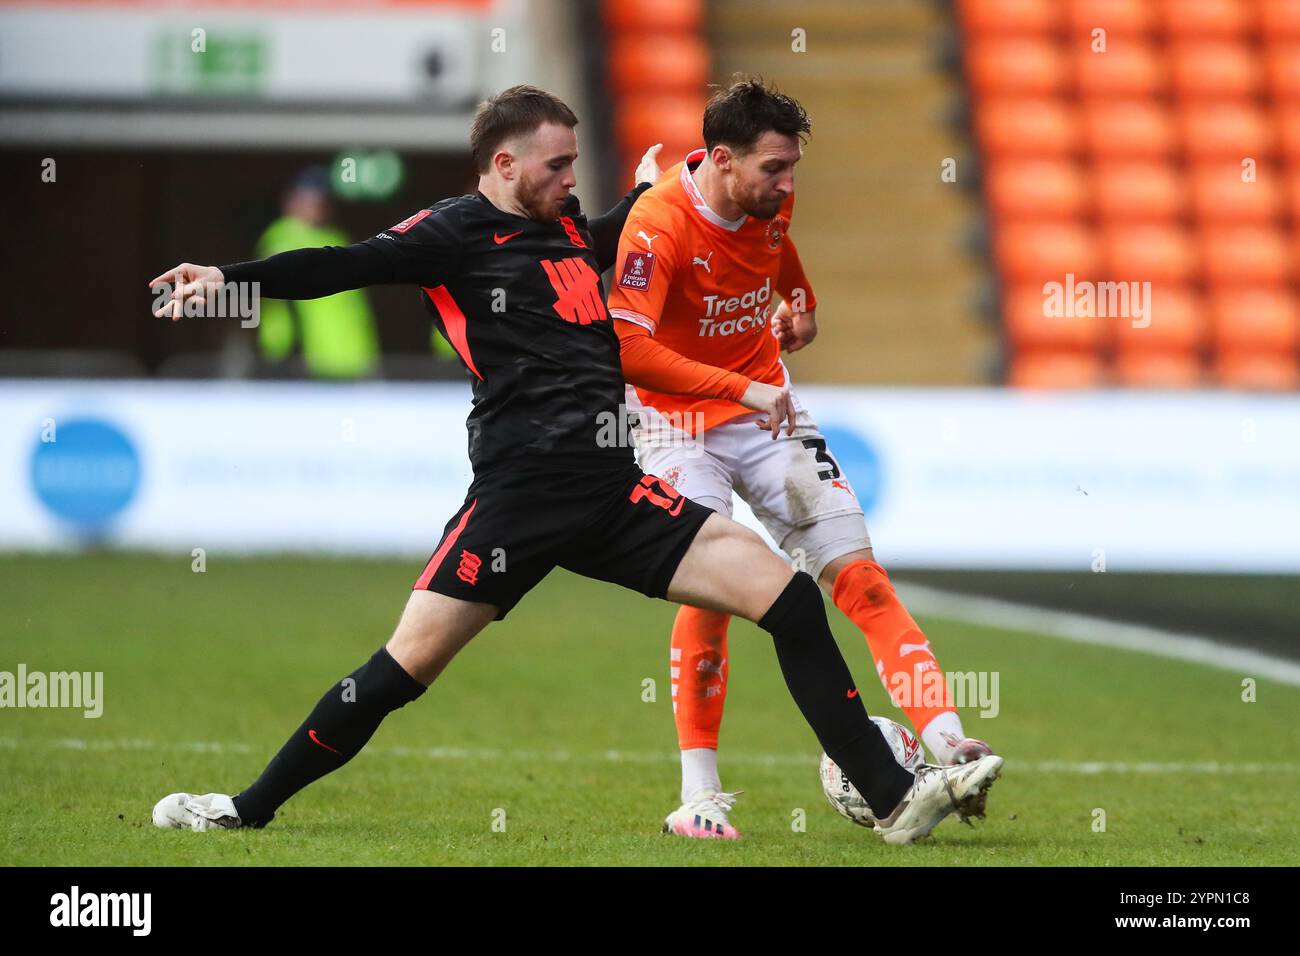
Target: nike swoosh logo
[(853, 693), (317, 740), (905, 649), (500, 238)]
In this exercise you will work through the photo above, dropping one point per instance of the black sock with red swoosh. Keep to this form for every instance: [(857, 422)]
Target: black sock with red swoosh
[(820, 683), (344, 719)]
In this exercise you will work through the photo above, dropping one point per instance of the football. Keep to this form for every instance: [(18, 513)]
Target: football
[(844, 797)]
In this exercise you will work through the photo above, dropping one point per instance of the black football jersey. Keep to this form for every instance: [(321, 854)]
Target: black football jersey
[(520, 300)]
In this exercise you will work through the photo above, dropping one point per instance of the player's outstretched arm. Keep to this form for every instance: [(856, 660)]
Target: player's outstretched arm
[(296, 274)]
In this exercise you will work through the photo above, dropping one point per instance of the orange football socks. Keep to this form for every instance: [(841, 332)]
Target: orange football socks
[(904, 661), (699, 675)]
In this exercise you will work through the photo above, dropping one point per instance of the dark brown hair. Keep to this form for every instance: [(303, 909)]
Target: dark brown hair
[(738, 115), (512, 112)]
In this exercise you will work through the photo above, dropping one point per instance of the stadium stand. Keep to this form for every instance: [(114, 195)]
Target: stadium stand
[(1142, 141)]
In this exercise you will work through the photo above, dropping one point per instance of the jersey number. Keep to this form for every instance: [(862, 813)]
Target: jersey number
[(666, 497), (823, 458)]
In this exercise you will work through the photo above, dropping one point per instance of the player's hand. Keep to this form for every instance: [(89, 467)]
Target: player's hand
[(794, 330), (187, 282), (775, 402), (647, 171)]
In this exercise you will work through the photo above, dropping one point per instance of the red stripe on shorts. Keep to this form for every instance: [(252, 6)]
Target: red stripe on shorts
[(432, 567)]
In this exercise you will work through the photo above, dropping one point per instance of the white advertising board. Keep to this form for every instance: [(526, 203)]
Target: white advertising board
[(948, 478)]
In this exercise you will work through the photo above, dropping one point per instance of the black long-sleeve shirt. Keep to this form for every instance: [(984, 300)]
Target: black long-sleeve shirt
[(521, 302)]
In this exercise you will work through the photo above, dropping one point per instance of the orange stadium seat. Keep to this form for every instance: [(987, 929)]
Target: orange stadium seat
[(1288, 131), (1026, 127), (1173, 320), (663, 16), (1257, 371), (1043, 370), (1016, 65), (1116, 17), (1028, 328), (1257, 319), (1208, 18), (1279, 19), (1129, 128), (1039, 252), (1134, 190), (1148, 252), (1128, 67), (645, 119), (1219, 193), (1028, 188), (1283, 65), (1225, 129), (1215, 68), (1238, 255), (1157, 370), (668, 63), (1001, 17), (1293, 181)]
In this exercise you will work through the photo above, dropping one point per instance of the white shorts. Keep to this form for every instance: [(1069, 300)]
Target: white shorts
[(793, 485)]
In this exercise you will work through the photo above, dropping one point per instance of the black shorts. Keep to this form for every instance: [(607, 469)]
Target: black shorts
[(614, 524)]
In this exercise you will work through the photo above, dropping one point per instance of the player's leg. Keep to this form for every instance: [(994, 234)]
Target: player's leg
[(697, 655), (905, 662), (432, 630), (796, 488), (729, 568), (698, 671), (450, 603)]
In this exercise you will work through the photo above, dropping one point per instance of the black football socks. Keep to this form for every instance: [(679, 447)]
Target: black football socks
[(344, 719), (822, 686)]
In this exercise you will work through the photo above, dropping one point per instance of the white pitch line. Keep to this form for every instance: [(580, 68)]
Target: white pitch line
[(491, 754), (1084, 629)]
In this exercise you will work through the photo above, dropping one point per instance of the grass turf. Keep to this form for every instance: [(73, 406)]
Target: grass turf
[(543, 717)]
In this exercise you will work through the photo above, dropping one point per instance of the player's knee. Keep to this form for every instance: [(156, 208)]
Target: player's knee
[(831, 570)]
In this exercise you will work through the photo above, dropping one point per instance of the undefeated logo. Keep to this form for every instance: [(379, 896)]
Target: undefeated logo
[(637, 269), (577, 290)]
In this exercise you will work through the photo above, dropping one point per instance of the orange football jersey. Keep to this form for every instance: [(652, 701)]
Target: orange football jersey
[(705, 287)]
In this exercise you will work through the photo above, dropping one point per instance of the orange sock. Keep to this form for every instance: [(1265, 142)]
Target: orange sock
[(699, 675), (902, 654)]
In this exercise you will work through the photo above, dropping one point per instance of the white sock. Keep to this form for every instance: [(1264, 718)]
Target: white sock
[(941, 736), (699, 771)]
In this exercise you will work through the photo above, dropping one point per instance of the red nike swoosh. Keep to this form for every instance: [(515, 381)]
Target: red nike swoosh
[(853, 693), (500, 238), (317, 740)]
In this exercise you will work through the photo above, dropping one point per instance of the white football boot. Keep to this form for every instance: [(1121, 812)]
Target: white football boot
[(185, 811), (968, 751), (704, 815), (937, 792)]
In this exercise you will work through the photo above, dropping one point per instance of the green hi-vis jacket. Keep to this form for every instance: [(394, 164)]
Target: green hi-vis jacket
[(338, 331)]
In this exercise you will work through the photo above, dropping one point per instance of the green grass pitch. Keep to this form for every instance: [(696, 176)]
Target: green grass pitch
[(541, 722)]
